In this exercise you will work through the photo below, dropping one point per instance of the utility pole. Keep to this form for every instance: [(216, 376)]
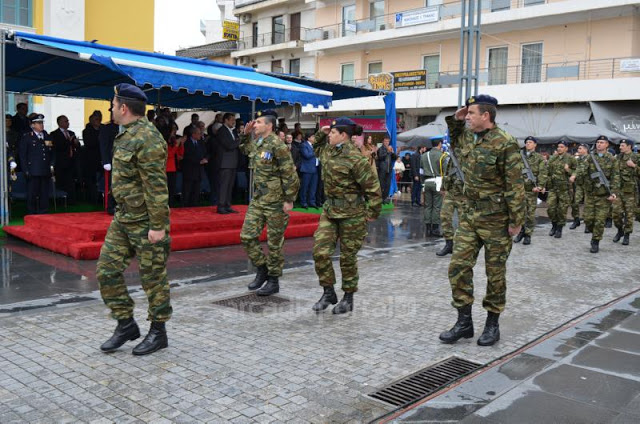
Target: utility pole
[(469, 44)]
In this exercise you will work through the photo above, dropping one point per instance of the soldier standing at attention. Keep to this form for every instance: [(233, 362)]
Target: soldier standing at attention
[(538, 168), (624, 207), (276, 186), (559, 169), (353, 197), (37, 158), (452, 200), (430, 163), (578, 188), (493, 213), (140, 225), (598, 195)]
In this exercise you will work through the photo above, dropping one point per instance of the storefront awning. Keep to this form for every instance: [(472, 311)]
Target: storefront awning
[(621, 117)]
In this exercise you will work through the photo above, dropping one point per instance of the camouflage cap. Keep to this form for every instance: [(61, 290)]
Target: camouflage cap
[(129, 91), (482, 99)]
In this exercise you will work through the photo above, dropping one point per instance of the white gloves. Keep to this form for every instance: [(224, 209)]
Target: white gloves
[(107, 167), (13, 165)]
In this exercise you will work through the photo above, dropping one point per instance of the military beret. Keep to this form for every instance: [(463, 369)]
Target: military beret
[(627, 142), (564, 143), (342, 122), (482, 99), (585, 145), (602, 137), (532, 138), (129, 91), (37, 117), (8, 116), (268, 112)]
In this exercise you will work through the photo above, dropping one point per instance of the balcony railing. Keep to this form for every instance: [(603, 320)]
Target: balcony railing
[(547, 72), (272, 38)]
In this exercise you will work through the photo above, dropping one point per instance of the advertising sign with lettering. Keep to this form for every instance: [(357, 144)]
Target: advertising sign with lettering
[(417, 17), (230, 30), (410, 80)]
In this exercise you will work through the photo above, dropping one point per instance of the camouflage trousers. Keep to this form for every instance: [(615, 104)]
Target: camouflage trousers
[(578, 197), (624, 211), (557, 205), (276, 221), (432, 203), (351, 233), (477, 231), (121, 244), (531, 204), (596, 212), (453, 201)]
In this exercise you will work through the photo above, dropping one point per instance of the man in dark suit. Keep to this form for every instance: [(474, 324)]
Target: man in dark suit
[(20, 121), (91, 154), (106, 135), (228, 151), (386, 159), (37, 158), (416, 177), (309, 171), (195, 155), (66, 147)]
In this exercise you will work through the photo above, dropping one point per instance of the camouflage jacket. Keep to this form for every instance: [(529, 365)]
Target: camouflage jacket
[(492, 169), (628, 175), (538, 168), (588, 172), (139, 180), (451, 183), (580, 162), (275, 180), (557, 176), (351, 186)]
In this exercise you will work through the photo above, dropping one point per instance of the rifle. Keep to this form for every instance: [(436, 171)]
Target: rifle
[(599, 174), (527, 169), (456, 166)]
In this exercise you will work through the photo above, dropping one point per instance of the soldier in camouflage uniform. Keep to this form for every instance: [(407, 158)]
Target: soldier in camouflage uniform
[(275, 184), (624, 208), (538, 167), (493, 213), (352, 197), (559, 169), (578, 188), (140, 225), (598, 196), (452, 200)]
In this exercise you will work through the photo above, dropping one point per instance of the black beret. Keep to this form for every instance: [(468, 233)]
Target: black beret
[(129, 91), (602, 137), (564, 143), (627, 142), (482, 99), (532, 138), (8, 116), (37, 117), (268, 112), (342, 122), (585, 145)]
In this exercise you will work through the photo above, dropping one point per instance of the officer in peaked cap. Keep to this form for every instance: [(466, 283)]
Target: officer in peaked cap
[(37, 158)]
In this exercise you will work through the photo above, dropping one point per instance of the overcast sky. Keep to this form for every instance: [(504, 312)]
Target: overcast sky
[(177, 23)]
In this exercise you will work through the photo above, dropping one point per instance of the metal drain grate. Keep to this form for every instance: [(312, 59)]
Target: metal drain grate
[(425, 382), (256, 304)]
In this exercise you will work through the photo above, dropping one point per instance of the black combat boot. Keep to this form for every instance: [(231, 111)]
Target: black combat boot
[(625, 240), (595, 246), (608, 223), (558, 233), (435, 230), (427, 230), (272, 287), (329, 297), (576, 224), (448, 248), (527, 240), (587, 230), (156, 339), (345, 305), (520, 236), (618, 235), (126, 330), (554, 227), (462, 328), (261, 277), (491, 333)]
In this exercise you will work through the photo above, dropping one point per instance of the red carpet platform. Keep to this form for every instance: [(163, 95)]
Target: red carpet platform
[(80, 235)]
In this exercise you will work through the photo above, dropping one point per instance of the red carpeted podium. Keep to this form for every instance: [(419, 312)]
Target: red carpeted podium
[(80, 235)]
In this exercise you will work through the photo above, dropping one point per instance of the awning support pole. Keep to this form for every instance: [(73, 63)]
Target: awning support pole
[(4, 174)]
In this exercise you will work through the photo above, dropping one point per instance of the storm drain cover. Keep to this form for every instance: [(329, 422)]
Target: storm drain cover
[(425, 382), (251, 302)]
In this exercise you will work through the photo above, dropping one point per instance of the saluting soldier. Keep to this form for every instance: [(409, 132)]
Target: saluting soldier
[(452, 200), (598, 195), (578, 188), (538, 167), (493, 213), (140, 225), (624, 207), (37, 159), (276, 184), (559, 169), (353, 197)]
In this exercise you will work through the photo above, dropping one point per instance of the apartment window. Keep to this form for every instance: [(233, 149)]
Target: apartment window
[(374, 68), (254, 34), (16, 12), (294, 67), (376, 14), (531, 63), (497, 5), (276, 66), (498, 65), (349, 20), (277, 30), (347, 74), (432, 64), (533, 2)]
